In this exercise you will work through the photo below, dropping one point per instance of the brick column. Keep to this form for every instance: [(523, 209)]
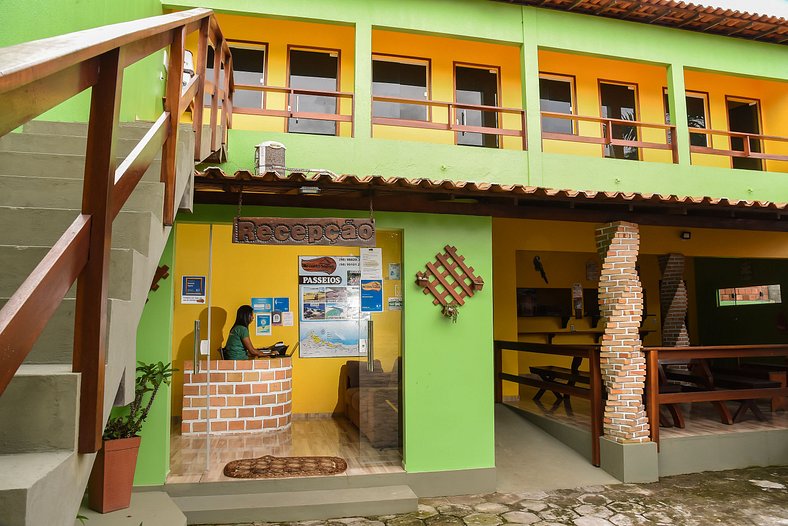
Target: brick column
[(621, 358), (673, 301)]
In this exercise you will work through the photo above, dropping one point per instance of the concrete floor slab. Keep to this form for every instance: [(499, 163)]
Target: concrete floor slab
[(153, 508)]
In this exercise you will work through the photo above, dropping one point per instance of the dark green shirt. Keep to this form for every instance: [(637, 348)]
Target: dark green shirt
[(235, 350)]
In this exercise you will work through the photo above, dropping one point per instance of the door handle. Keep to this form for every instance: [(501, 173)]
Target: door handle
[(370, 347), (196, 346)]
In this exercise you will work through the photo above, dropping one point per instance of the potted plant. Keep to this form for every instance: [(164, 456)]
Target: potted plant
[(111, 480)]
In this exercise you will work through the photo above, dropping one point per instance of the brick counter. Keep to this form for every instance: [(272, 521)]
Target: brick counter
[(246, 396)]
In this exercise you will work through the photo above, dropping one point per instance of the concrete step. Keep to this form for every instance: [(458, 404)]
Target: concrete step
[(52, 192), (18, 262), (147, 508), (297, 505), (57, 165), (126, 130), (44, 226), (42, 488), (61, 144), (39, 410)]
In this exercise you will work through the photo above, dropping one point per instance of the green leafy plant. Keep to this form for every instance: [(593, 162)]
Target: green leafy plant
[(128, 422)]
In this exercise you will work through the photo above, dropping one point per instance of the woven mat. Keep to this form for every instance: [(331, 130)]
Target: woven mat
[(268, 467)]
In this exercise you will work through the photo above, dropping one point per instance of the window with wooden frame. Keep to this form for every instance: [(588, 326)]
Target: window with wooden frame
[(248, 73), (400, 77), (697, 114), (557, 95)]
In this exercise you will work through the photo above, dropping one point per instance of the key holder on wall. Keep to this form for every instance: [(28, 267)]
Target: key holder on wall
[(450, 281)]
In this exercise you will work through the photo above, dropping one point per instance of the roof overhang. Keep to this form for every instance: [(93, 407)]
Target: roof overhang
[(680, 15), (350, 192)]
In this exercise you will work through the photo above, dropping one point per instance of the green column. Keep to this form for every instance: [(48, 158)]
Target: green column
[(529, 70), (362, 111), (677, 102)]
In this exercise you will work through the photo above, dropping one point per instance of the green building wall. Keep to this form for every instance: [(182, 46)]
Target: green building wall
[(26, 20)]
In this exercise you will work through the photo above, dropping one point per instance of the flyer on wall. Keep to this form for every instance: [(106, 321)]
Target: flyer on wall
[(329, 300)]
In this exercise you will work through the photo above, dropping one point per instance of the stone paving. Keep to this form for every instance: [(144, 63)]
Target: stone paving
[(745, 497)]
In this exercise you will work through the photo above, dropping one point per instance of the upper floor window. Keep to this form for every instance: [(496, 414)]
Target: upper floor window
[(557, 95), (248, 74), (313, 71), (697, 115), (399, 77), (619, 101), (476, 86)]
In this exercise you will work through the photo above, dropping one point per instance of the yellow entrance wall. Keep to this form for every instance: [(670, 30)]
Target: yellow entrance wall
[(588, 71), (564, 247), (241, 272), (443, 53), (773, 97), (278, 35)]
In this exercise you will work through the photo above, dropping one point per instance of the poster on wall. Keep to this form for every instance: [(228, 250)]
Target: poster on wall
[(329, 301), (263, 324), (262, 304), (193, 290)]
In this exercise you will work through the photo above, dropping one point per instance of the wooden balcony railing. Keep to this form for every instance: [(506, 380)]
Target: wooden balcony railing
[(453, 122), (291, 107), (605, 136), (39, 75), (753, 145)]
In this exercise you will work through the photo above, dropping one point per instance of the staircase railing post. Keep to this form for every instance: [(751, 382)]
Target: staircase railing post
[(90, 328), (497, 368), (202, 60), (172, 107)]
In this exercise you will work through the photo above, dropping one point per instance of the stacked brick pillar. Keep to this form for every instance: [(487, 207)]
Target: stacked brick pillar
[(622, 362), (673, 301)]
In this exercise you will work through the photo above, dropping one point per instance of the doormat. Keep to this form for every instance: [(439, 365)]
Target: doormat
[(269, 467)]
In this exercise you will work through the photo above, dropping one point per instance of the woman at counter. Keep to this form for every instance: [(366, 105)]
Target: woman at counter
[(239, 345)]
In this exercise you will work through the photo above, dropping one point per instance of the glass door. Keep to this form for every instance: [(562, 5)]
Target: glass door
[(313, 70), (619, 101), (380, 373), (478, 86), (744, 116)]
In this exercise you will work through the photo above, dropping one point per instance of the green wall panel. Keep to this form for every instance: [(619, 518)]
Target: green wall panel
[(36, 19), (154, 344)]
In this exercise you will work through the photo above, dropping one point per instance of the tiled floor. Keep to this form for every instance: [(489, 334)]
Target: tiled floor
[(305, 437), (700, 418)]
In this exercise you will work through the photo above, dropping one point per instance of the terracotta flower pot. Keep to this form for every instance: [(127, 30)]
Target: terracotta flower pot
[(112, 478)]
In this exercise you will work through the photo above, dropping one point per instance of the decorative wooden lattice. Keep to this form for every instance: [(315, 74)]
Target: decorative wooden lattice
[(449, 279)]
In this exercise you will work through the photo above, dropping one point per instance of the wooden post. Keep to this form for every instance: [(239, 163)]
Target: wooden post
[(497, 367), (202, 60), (227, 107), (595, 383), (171, 106), (90, 325), (525, 130), (217, 68), (652, 394)]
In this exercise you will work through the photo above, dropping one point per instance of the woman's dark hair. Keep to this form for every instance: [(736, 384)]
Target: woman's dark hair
[(244, 316)]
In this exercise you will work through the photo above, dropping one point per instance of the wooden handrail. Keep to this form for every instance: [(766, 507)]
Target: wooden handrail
[(746, 151), (590, 352), (453, 125), (654, 398), (37, 76), (607, 139)]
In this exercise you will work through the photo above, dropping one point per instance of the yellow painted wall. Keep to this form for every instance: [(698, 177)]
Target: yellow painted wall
[(588, 71), (564, 247), (773, 97), (241, 272), (278, 35), (443, 53)]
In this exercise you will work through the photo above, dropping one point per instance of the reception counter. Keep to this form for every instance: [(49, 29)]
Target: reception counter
[(246, 396)]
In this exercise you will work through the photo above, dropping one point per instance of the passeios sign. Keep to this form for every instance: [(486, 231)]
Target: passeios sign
[(304, 231)]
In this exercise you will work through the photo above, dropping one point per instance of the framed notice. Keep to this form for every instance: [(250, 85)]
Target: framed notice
[(193, 290)]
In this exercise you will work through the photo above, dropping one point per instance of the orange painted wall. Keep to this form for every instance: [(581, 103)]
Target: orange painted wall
[(773, 97), (588, 71), (278, 35), (443, 53)]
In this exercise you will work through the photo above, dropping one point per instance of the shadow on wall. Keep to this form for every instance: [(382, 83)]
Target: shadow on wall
[(185, 349)]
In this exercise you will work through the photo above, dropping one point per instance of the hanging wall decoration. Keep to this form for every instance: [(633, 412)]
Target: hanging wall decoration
[(450, 281)]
